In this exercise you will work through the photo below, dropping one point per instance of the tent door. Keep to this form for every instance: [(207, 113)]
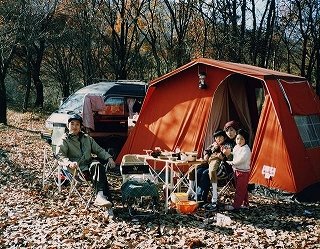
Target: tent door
[(238, 98)]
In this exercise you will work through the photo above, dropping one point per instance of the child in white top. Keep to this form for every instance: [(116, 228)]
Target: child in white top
[(241, 167)]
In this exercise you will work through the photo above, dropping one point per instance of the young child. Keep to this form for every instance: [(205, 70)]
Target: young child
[(205, 176), (241, 167)]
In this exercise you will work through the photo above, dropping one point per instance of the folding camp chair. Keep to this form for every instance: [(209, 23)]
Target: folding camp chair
[(139, 191), (79, 186), (225, 177), (60, 175), (51, 171), (228, 183)]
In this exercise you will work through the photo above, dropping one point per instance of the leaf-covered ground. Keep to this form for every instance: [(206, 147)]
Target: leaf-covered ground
[(33, 217)]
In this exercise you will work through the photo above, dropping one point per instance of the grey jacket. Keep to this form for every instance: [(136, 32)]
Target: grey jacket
[(79, 148)]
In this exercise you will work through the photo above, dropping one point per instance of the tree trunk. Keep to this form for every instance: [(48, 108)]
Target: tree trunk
[(3, 102), (241, 57), (265, 46), (65, 90), (4, 65), (36, 66), (39, 91), (28, 82)]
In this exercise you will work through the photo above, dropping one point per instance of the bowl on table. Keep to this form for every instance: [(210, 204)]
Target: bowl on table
[(191, 156)]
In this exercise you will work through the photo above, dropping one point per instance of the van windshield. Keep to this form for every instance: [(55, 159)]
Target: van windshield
[(72, 103)]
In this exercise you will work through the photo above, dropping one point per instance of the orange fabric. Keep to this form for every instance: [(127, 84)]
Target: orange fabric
[(174, 114), (231, 67), (296, 93), (270, 150), (304, 170), (278, 144)]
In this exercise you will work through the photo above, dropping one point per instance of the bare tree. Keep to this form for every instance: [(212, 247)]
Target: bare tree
[(266, 41), (61, 61), (9, 23), (150, 28), (180, 13), (118, 28), (34, 29), (82, 15), (316, 38)]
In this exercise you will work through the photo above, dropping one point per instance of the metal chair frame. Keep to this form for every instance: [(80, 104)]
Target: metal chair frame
[(78, 180)]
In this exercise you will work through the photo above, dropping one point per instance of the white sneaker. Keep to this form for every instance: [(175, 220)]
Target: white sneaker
[(190, 192), (102, 201), (110, 213)]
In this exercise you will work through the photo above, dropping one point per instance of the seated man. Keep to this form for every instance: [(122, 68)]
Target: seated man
[(76, 149)]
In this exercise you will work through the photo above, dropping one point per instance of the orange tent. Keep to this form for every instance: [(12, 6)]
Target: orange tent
[(280, 111)]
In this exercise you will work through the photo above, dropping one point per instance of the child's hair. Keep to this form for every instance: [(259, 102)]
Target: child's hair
[(218, 133), (244, 134)]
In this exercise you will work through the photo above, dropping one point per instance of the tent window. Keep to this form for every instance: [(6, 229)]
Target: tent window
[(309, 129)]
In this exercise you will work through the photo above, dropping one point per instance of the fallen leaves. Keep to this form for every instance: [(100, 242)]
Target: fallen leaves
[(32, 217)]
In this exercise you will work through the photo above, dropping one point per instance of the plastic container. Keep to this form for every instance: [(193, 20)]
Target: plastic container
[(187, 207), (179, 196)]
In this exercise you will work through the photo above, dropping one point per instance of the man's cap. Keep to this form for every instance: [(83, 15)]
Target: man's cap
[(75, 117)]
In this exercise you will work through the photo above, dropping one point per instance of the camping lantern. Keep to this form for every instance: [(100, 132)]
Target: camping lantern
[(202, 83)]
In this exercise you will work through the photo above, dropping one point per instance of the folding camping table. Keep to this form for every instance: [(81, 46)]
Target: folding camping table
[(176, 173)]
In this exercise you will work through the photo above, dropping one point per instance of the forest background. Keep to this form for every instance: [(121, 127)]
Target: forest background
[(50, 48)]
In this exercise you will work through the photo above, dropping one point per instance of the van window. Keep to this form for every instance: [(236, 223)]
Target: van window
[(114, 106)]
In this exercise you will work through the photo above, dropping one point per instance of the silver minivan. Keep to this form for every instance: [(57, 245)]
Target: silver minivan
[(113, 124)]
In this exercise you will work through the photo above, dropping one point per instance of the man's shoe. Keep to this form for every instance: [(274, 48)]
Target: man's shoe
[(211, 207), (244, 207), (229, 208), (102, 201), (110, 213)]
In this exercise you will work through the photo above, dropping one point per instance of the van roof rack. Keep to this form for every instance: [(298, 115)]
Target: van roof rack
[(136, 82), (132, 82)]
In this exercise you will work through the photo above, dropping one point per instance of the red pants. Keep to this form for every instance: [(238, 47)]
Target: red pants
[(241, 195)]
